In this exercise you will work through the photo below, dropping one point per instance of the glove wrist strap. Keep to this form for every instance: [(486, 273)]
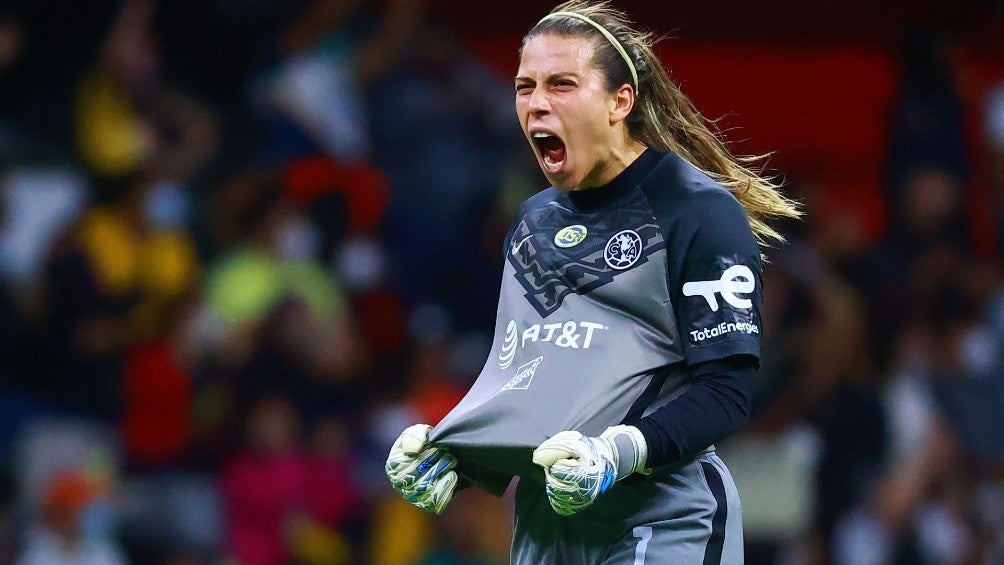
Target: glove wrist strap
[(630, 447)]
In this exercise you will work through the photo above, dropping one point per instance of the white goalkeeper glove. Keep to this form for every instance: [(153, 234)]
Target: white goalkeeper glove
[(423, 474), (578, 469)]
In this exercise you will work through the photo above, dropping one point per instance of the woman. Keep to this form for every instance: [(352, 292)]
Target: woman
[(628, 332)]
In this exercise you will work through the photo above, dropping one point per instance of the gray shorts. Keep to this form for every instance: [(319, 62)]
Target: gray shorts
[(682, 514)]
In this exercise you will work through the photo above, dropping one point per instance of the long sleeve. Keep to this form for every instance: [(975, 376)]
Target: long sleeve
[(716, 405)]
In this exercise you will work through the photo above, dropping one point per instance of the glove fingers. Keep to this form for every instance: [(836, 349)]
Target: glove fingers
[(567, 473), (567, 499), (437, 496), (573, 487), (404, 471), (422, 473), (400, 466), (436, 464), (427, 457), (417, 473)]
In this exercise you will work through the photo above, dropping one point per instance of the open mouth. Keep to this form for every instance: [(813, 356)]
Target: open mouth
[(551, 150)]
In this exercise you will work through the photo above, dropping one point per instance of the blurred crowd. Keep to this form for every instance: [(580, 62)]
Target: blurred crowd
[(244, 243)]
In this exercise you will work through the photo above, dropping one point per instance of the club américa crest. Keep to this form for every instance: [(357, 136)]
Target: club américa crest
[(623, 250)]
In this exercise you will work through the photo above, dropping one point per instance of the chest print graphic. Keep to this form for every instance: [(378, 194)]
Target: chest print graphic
[(549, 271)]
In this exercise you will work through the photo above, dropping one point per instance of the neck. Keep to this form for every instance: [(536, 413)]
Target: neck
[(614, 164)]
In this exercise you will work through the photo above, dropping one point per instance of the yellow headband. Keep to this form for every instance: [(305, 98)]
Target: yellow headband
[(610, 37)]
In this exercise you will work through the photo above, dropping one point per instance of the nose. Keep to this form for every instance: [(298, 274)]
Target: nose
[(538, 103)]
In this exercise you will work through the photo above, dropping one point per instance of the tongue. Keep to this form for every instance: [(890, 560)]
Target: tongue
[(553, 149)]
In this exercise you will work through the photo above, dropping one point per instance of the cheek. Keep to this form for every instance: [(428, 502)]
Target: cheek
[(588, 125), (584, 135), (522, 111)]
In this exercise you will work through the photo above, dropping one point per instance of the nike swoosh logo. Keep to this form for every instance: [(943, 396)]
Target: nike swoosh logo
[(516, 246)]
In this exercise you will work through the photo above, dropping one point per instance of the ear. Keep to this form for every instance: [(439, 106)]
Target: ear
[(621, 103)]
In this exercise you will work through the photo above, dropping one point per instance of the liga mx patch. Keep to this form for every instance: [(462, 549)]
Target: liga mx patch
[(570, 236), (524, 375)]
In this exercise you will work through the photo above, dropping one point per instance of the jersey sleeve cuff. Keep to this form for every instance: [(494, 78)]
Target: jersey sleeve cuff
[(713, 352)]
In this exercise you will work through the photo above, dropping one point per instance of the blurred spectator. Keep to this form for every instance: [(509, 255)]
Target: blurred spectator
[(68, 472), (912, 257), (944, 394), (329, 53), (48, 43), (475, 534), (156, 424), (443, 132), (171, 505), (262, 484), (927, 121), (116, 278), (402, 534), (270, 317), (478, 533), (37, 205), (40, 203), (284, 502), (809, 381), (74, 530), (128, 119)]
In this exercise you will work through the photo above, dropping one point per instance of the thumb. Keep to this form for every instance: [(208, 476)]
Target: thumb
[(558, 449), (414, 438)]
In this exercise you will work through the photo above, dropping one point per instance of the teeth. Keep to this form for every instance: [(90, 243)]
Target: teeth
[(541, 135)]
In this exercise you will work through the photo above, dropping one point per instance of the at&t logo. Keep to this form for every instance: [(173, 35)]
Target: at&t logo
[(569, 335)]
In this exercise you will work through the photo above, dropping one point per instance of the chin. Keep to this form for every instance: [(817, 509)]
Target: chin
[(560, 180), (563, 178)]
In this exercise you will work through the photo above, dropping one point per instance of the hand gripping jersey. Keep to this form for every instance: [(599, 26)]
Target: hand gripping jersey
[(607, 296)]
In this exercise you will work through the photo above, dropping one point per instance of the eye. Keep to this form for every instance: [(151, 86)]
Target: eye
[(524, 88), (564, 85)]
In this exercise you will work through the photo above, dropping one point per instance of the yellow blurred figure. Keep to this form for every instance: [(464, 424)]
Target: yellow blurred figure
[(112, 137), (401, 533), (129, 262)]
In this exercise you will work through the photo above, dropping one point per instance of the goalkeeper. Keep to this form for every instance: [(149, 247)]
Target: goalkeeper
[(628, 328)]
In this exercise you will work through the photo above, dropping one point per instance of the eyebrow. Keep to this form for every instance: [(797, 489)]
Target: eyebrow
[(550, 78)]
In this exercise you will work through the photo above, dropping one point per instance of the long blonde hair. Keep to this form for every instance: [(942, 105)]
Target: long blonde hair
[(664, 118)]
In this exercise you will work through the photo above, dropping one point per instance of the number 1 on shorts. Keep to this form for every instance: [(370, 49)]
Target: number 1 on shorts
[(643, 533)]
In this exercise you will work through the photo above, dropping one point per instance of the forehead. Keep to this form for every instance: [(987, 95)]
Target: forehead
[(548, 54)]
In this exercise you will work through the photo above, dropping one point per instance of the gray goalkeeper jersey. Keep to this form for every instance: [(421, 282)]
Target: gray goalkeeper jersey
[(608, 296)]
